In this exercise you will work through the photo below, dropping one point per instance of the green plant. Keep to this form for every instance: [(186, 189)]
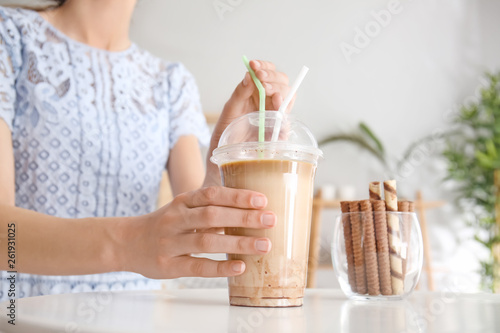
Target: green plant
[(364, 138), (473, 156)]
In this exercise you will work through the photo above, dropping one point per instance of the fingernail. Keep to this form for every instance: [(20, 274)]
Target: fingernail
[(259, 201), (263, 73), (262, 245), (268, 220), (245, 81), (268, 86), (238, 267), (257, 64)]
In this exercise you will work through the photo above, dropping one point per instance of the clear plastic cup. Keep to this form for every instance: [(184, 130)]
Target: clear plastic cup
[(284, 171), (378, 263)]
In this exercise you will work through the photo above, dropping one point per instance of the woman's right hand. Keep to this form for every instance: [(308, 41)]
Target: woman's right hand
[(245, 99), (159, 245)]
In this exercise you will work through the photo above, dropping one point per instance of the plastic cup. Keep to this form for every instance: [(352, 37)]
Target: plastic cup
[(284, 171)]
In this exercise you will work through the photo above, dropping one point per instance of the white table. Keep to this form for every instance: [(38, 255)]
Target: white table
[(207, 310)]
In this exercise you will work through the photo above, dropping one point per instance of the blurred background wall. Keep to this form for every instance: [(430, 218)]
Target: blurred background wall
[(403, 67), (404, 83)]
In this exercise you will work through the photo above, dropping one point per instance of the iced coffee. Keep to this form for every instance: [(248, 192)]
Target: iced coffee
[(279, 277), (283, 171)]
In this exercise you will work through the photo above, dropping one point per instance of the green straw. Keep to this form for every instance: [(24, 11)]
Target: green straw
[(262, 100)]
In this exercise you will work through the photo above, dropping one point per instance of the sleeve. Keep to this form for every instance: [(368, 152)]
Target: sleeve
[(185, 113), (10, 66)]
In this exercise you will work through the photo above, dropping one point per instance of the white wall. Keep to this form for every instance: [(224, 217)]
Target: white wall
[(405, 84)]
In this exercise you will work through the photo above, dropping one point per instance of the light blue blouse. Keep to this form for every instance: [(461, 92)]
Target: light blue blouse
[(91, 132)]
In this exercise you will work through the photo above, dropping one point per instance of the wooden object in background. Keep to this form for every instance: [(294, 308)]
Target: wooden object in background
[(212, 117), (314, 241), (420, 207), (315, 237)]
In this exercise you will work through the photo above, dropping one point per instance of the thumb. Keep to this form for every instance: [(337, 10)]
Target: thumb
[(245, 89)]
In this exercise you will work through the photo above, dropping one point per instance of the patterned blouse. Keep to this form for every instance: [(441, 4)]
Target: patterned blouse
[(91, 132)]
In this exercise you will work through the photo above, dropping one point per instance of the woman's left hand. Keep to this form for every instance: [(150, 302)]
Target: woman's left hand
[(245, 99)]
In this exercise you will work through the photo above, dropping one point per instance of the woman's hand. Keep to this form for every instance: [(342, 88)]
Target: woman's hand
[(159, 245), (245, 99)]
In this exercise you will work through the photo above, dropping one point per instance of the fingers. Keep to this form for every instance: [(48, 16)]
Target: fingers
[(211, 230), (273, 81), (225, 197), (267, 76), (273, 88), (245, 89), (277, 100), (216, 243), (202, 267), (217, 217), (261, 64), (292, 102), (246, 79)]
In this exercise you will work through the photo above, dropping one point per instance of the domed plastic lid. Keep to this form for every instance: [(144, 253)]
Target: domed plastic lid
[(240, 140)]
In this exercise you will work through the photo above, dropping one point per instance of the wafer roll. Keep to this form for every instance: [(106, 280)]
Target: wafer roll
[(391, 201), (404, 206), (384, 266), (357, 246), (344, 206), (370, 249), (374, 189)]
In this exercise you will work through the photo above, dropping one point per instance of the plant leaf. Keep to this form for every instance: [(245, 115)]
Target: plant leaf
[(366, 130), (356, 139)]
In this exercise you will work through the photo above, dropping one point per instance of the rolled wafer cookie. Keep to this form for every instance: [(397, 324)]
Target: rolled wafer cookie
[(384, 265), (346, 223), (404, 206), (357, 247), (370, 248), (391, 201), (374, 190)]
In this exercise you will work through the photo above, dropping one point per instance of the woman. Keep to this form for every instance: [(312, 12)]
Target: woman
[(87, 123)]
